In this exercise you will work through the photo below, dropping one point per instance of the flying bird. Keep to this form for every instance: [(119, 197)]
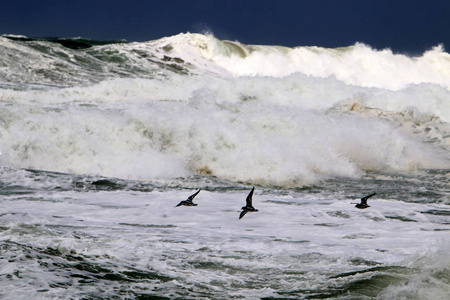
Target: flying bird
[(188, 201), (363, 203), (248, 207)]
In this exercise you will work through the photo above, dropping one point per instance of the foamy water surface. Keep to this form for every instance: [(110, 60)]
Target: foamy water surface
[(98, 145)]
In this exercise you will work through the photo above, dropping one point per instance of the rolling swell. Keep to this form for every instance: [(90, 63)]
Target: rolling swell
[(72, 43)]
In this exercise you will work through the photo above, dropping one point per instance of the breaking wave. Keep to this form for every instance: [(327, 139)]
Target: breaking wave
[(192, 104)]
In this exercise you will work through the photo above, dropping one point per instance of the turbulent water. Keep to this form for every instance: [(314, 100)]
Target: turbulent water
[(100, 141)]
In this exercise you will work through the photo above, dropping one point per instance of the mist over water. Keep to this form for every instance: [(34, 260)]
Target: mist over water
[(99, 143)]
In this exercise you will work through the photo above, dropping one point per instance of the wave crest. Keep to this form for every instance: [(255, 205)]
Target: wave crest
[(191, 53)]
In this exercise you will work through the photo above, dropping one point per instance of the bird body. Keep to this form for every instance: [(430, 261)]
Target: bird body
[(248, 207), (188, 201), (363, 203)]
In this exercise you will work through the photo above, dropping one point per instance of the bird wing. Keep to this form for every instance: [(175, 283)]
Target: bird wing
[(191, 197), (364, 199), (243, 214), (249, 198)]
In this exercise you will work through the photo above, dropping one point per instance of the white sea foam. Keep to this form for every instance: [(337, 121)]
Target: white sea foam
[(430, 279), (357, 65), (191, 104), (308, 243), (307, 116), (290, 131)]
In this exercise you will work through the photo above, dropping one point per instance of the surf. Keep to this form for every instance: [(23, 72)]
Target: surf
[(191, 104), (193, 53)]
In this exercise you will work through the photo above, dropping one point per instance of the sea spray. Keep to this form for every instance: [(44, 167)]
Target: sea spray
[(197, 124)]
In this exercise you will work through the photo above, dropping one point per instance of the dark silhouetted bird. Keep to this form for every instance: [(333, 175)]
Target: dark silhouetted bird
[(363, 203), (248, 207), (188, 201)]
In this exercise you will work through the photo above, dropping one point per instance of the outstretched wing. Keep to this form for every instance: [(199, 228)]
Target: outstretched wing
[(243, 214), (249, 198), (364, 199), (191, 197)]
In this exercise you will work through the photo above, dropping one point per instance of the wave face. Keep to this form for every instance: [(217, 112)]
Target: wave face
[(75, 61), (192, 104)]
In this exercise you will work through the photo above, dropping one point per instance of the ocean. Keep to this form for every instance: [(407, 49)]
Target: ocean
[(100, 141)]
